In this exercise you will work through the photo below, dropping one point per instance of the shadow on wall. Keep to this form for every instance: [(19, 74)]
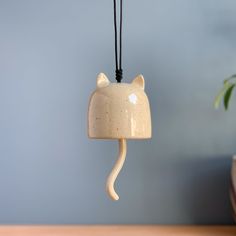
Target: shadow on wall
[(207, 189)]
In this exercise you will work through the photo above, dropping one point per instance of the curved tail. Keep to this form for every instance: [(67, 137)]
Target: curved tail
[(116, 169)]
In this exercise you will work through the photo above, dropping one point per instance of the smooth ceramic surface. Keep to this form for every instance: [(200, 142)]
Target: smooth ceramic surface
[(119, 110), (116, 170)]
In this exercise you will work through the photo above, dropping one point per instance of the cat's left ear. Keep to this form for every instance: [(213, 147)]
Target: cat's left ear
[(139, 81), (102, 80)]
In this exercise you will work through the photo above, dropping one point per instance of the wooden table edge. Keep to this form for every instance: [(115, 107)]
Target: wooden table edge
[(114, 230)]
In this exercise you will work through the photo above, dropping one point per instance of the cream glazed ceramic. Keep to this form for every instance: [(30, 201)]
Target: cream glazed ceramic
[(119, 111)]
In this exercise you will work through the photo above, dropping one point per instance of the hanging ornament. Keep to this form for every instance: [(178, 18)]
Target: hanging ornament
[(119, 111)]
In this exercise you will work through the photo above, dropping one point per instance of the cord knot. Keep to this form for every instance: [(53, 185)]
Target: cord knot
[(119, 75)]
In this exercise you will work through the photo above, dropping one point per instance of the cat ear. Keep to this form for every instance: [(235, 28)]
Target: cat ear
[(139, 81), (102, 80)]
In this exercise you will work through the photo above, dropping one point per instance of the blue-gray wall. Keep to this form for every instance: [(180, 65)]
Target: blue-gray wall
[(50, 54)]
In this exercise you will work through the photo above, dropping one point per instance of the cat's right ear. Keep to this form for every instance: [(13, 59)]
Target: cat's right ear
[(102, 80), (139, 81)]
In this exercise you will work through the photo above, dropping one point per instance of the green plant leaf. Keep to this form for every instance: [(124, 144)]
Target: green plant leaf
[(221, 94), (232, 77), (227, 96)]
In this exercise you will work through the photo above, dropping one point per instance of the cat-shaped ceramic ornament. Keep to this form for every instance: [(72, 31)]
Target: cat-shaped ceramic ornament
[(119, 111)]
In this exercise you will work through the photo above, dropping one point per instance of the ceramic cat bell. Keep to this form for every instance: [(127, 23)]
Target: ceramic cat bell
[(119, 111)]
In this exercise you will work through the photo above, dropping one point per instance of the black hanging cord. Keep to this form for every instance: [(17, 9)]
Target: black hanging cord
[(119, 71)]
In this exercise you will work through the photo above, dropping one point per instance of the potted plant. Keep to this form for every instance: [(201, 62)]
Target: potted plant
[(225, 95)]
